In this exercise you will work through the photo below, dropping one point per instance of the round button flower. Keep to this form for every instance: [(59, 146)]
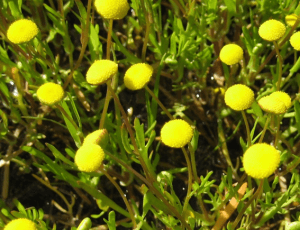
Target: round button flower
[(295, 40), (272, 105), (99, 137), (21, 31), (176, 133), (137, 76), (291, 19), (231, 54), (239, 97), (112, 9), (89, 157), (50, 93), (284, 97), (100, 71), (261, 160), (271, 30), (20, 224)]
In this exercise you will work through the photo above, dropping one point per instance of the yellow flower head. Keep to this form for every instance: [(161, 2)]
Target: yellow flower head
[(271, 30), (89, 157), (239, 97), (99, 137), (272, 105), (20, 224), (50, 93), (176, 133), (137, 76), (291, 19), (22, 30), (261, 160), (295, 40), (231, 54), (112, 9), (100, 71), (284, 97)]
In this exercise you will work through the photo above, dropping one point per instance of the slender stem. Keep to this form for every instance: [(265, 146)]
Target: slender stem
[(190, 175), (193, 161), (265, 129), (247, 128), (151, 187), (146, 33), (287, 37), (280, 65), (62, 110), (85, 38), (123, 197), (256, 195), (159, 102), (225, 149), (277, 130), (108, 41), (106, 104), (149, 174)]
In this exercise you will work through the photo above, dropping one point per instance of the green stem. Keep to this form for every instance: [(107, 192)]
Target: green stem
[(280, 65), (109, 39), (224, 148), (247, 128), (277, 131), (193, 161), (123, 197), (159, 102), (106, 104), (151, 187), (265, 129), (85, 38), (67, 116), (146, 33), (190, 175), (242, 212), (149, 174)]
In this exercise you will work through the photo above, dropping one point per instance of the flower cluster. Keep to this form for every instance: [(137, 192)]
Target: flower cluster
[(295, 40), (99, 137), (137, 76), (100, 71), (90, 155), (271, 30), (277, 103), (231, 54), (21, 31), (50, 93), (20, 224), (108, 9), (239, 97), (176, 133), (261, 160)]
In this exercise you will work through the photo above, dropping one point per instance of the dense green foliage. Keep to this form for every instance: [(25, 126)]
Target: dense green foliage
[(142, 182)]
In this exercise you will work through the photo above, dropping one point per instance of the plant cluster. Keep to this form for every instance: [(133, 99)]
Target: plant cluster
[(119, 114)]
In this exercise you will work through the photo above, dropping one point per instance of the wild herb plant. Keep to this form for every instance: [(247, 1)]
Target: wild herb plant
[(99, 96)]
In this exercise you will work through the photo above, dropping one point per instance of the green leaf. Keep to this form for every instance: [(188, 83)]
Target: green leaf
[(105, 200), (70, 126), (231, 6), (20, 207), (60, 172), (295, 67), (15, 9), (59, 155), (111, 223), (125, 140), (297, 115), (85, 224)]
